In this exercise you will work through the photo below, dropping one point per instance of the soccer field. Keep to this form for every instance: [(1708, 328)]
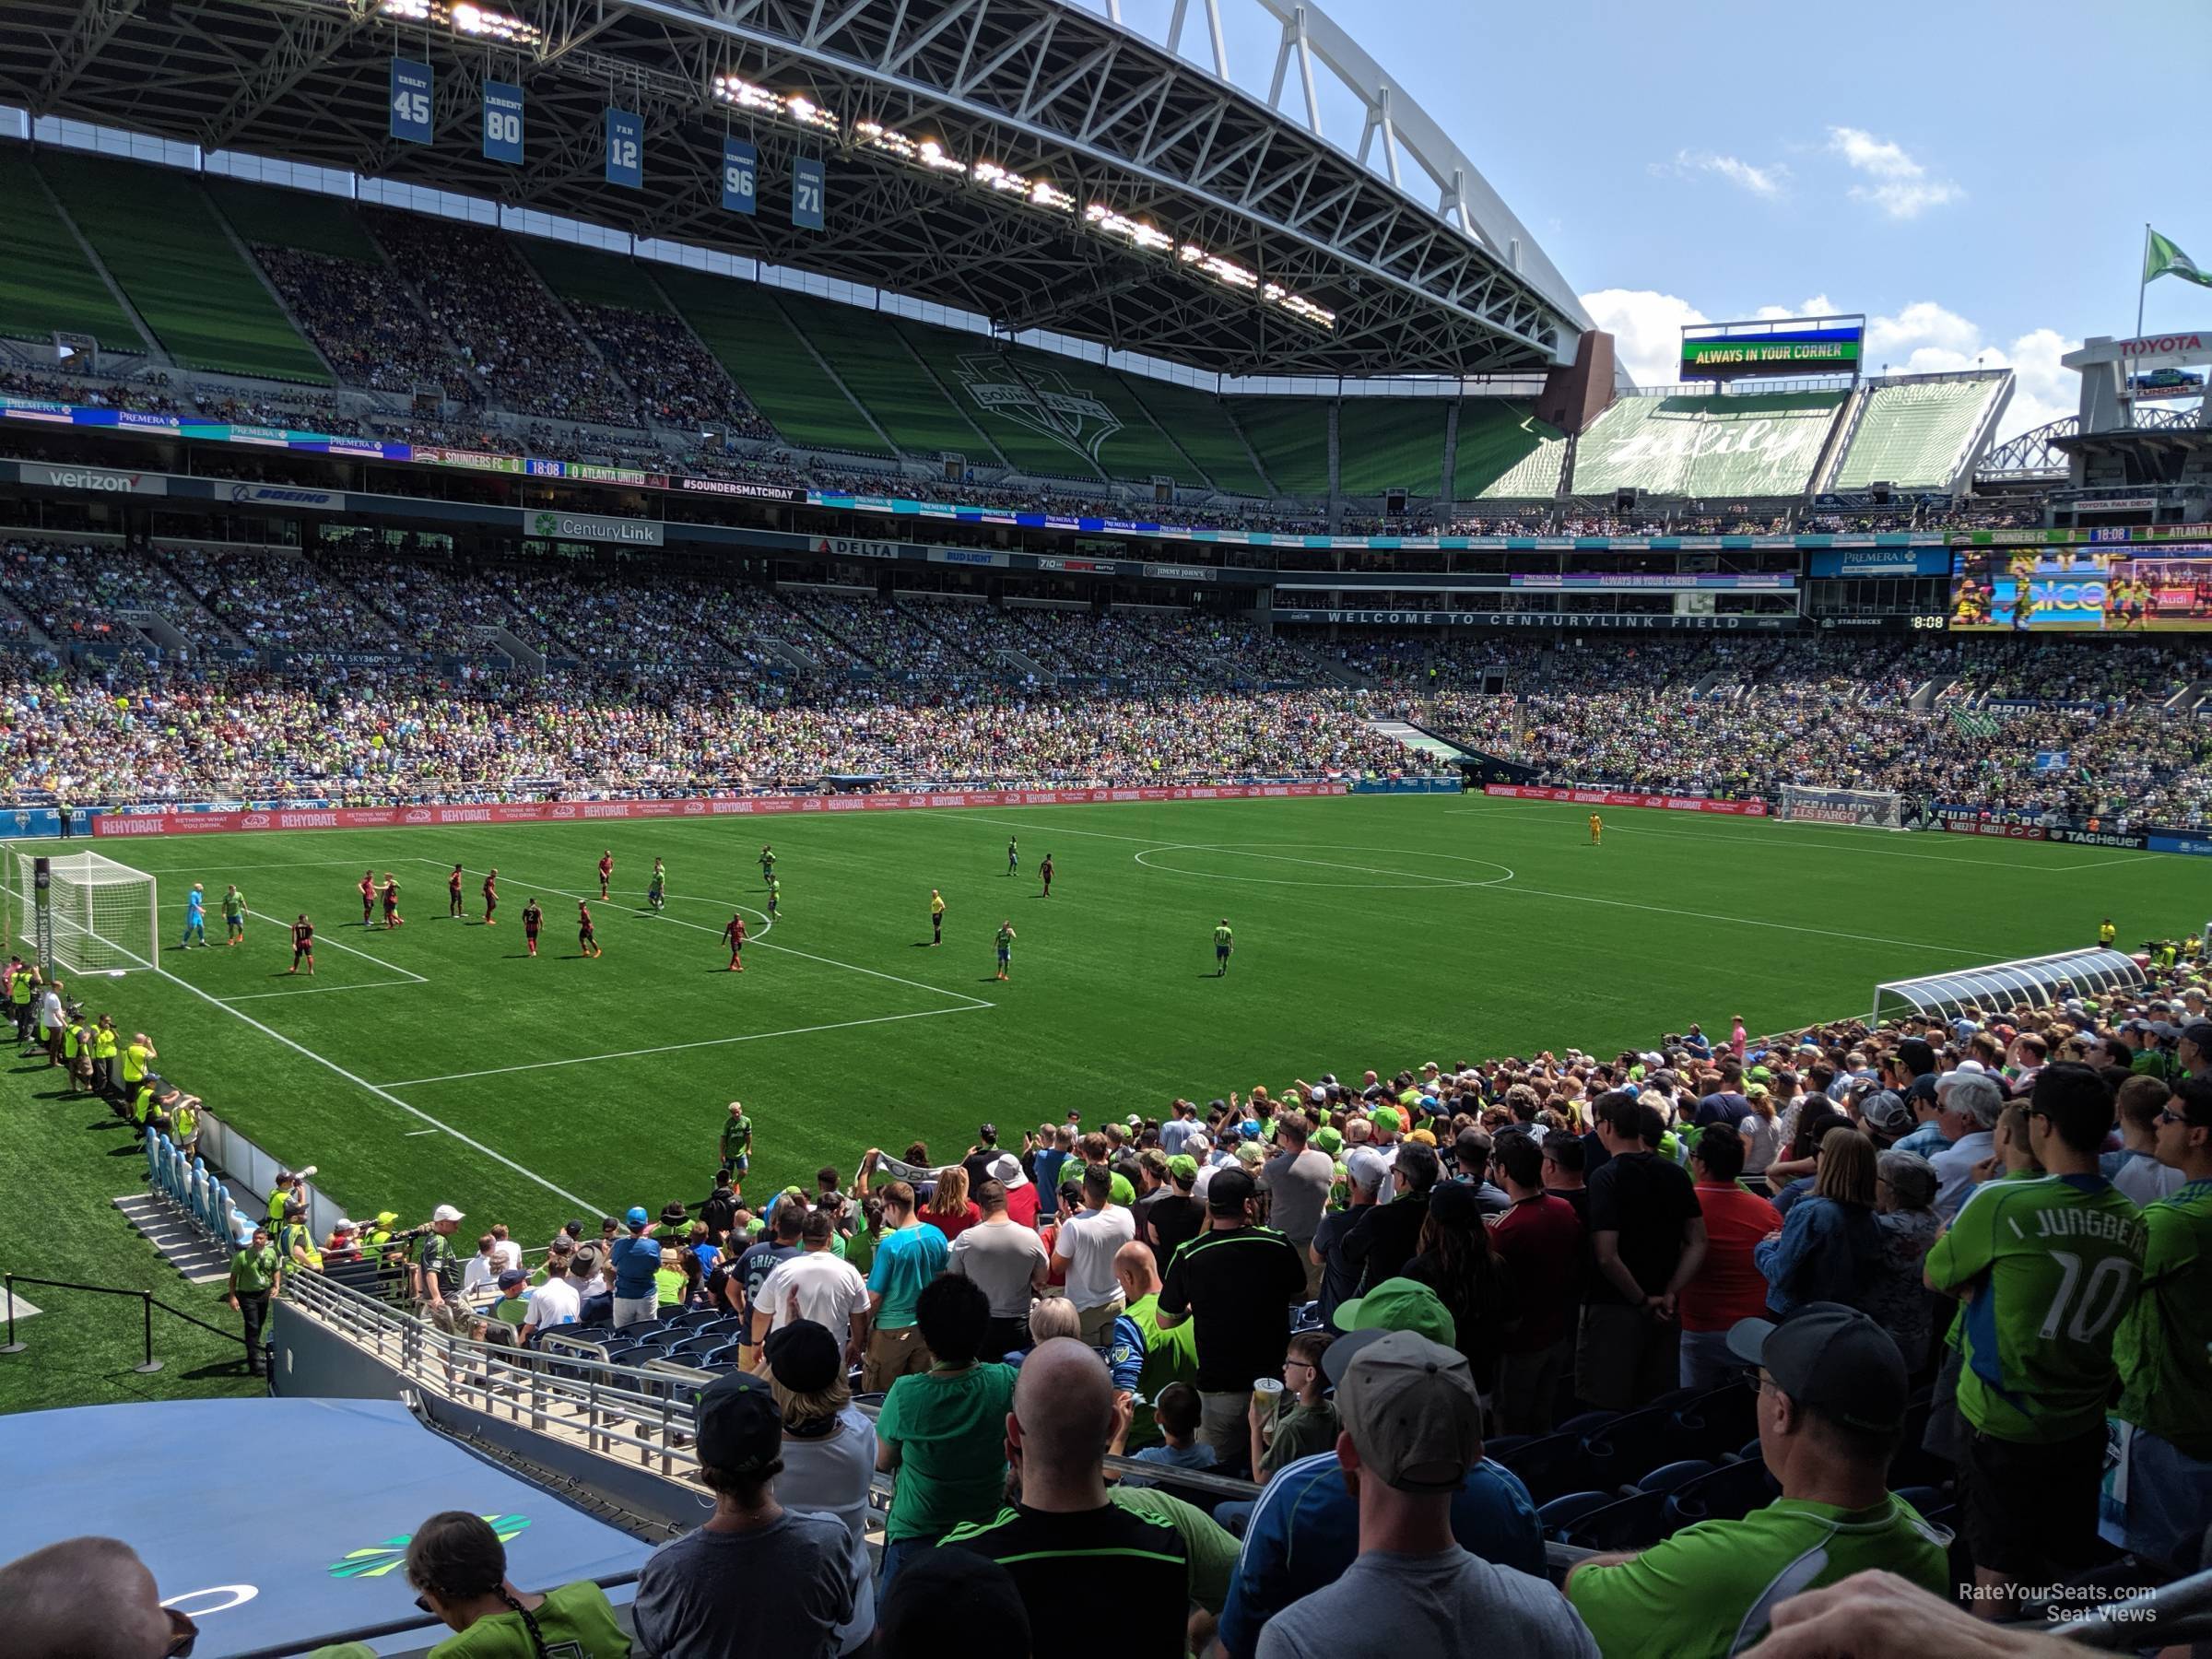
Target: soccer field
[(437, 1063)]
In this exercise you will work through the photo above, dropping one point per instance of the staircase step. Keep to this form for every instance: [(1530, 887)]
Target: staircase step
[(180, 1245)]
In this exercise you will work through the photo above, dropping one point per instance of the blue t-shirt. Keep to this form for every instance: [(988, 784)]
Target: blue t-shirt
[(906, 1260), (1492, 1517), (637, 1260), (191, 906)]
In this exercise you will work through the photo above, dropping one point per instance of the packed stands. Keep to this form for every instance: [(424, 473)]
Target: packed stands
[(1746, 445), (74, 593), (162, 241), (755, 343), (279, 602), (519, 344), (1913, 434), (46, 282)]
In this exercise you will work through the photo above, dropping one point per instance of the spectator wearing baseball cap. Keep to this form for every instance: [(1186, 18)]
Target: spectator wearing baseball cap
[(1304, 1530), (2164, 1417), (1412, 1425), (1386, 1237), (1022, 1191), (1832, 1403), (1177, 1215), (636, 1257), (2195, 1049), (1365, 1175), (828, 1453), (1237, 1283), (701, 1597)]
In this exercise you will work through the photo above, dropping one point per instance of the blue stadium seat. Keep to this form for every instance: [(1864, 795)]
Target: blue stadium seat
[(1668, 1476), (1558, 1516), (1501, 1446), (1625, 1448), (697, 1347), (1628, 1523), (692, 1318), (730, 1356), (1729, 1494), (1715, 1422), (1553, 1465), (1588, 1423), (727, 1324)]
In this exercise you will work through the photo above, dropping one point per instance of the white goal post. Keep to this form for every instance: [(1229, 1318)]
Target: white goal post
[(1859, 808), (106, 917)]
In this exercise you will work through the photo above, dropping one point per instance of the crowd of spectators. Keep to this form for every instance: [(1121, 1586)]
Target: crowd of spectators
[(678, 382), (367, 325), (1950, 1244)]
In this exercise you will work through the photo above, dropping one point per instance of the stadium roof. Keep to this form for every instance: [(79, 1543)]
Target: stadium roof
[(1181, 216)]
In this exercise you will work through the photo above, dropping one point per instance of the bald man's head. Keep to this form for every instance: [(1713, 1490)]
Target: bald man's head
[(1062, 1408), (90, 1598), (1136, 1270)]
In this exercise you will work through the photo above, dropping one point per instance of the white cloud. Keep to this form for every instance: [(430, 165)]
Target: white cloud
[(1904, 189), (1924, 337), (1769, 183)]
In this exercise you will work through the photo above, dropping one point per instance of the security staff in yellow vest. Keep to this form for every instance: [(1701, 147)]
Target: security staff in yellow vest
[(286, 1192), (185, 1126), (20, 1000), (77, 1052), (296, 1239), (138, 1057), (103, 1055)]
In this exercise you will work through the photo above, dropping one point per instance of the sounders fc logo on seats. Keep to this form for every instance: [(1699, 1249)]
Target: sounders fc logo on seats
[(377, 1560), (1044, 402)]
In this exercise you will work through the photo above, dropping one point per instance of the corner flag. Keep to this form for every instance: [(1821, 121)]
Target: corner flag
[(2161, 258)]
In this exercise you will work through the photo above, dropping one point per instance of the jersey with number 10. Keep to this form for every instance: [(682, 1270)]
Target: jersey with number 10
[(2058, 1260)]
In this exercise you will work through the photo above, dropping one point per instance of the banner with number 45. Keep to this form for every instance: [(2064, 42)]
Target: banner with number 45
[(410, 102)]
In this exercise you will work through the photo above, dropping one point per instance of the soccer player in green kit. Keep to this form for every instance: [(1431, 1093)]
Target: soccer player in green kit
[(1005, 946), (234, 915), (2047, 1267), (1224, 942), (657, 890)]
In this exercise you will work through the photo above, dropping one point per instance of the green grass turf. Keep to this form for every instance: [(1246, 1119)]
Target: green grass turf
[(66, 1161), (1370, 932)]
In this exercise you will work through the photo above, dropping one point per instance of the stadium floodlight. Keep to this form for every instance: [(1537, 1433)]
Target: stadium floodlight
[(472, 22), (2037, 981), (105, 917)]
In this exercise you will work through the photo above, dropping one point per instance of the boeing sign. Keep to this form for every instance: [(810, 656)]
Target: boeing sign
[(279, 495)]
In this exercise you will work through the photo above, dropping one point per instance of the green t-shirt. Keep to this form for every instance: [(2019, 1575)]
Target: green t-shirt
[(2057, 1260), (575, 1622), (511, 1310), (1712, 1588), (668, 1284), (950, 1428), (438, 1261), (2161, 1342), (1301, 1431), (1005, 937), (1221, 935), (860, 1249), (737, 1137), (1212, 1549), (1170, 1357), (234, 906), (255, 1271)]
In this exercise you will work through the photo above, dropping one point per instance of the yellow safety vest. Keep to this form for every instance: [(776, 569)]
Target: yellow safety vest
[(103, 1042), (297, 1236)]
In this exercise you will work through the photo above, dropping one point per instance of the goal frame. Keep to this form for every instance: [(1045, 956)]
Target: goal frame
[(1847, 808), (70, 911)]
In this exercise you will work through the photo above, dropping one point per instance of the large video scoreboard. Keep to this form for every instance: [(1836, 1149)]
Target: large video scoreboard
[(1783, 346), (2085, 589)]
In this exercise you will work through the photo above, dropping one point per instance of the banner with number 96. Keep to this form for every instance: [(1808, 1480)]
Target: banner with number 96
[(740, 176)]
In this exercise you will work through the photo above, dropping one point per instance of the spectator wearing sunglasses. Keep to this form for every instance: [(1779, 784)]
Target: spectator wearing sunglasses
[(459, 1570), (90, 1595)]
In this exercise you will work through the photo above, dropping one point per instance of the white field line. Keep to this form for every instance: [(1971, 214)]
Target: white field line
[(1514, 887), (383, 1093), (754, 941), (672, 1048), (324, 990)]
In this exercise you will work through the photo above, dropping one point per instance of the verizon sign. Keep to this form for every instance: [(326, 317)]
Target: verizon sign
[(100, 480)]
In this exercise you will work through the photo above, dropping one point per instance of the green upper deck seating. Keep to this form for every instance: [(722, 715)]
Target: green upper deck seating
[(1040, 425), (1504, 453), (868, 351), (46, 282), (1200, 426), (1291, 435), (1757, 444), (749, 335), (1388, 442), (161, 241), (301, 220), (591, 275), (1915, 435)]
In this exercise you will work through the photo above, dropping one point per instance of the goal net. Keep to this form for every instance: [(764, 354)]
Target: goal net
[(1860, 808), (104, 916)]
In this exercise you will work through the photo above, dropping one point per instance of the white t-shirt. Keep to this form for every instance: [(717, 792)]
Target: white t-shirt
[(1088, 1240), (831, 1291), (482, 1274), (553, 1303)]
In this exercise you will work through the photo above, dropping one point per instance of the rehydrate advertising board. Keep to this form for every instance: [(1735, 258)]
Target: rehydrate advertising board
[(2082, 589), (1616, 797)]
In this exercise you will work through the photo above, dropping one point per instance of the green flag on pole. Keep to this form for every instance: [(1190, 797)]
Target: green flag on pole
[(2161, 258)]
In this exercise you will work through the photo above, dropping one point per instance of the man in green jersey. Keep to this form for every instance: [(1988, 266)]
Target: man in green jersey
[(1224, 942), (2158, 1495), (1005, 946), (2046, 1268), (234, 915), (257, 1274), (735, 1146), (1832, 1401)]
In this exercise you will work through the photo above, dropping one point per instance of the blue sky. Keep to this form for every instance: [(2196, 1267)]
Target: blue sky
[(1974, 176)]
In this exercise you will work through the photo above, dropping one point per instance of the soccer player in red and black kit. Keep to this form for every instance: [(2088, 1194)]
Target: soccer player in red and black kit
[(735, 934), (491, 897), (533, 918), (303, 945), (452, 895), (392, 916), (586, 940), (607, 870), (1045, 870), (367, 895)]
